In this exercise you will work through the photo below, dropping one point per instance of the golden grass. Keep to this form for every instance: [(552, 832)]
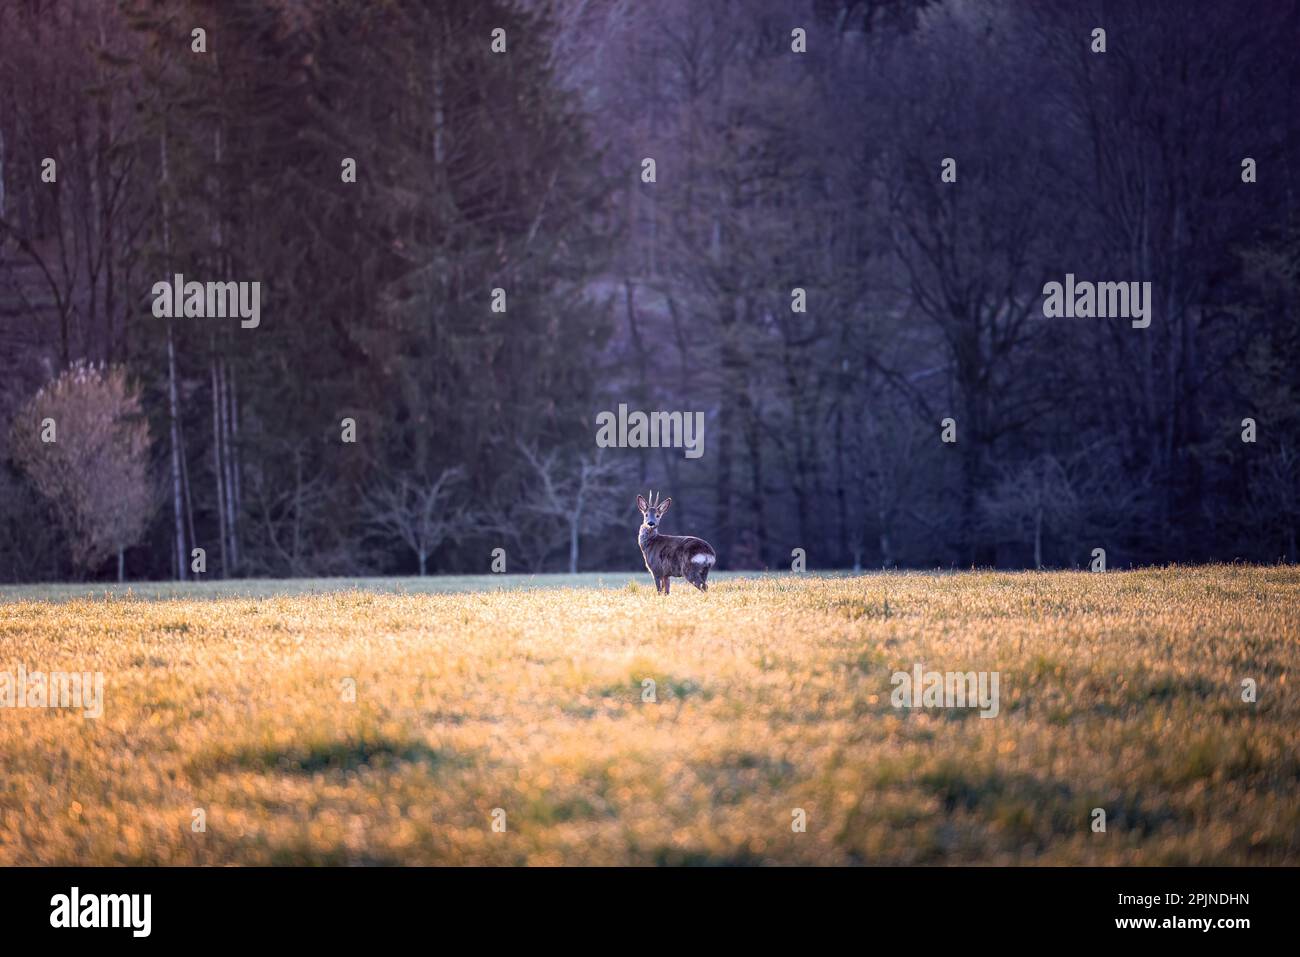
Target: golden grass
[(1119, 690)]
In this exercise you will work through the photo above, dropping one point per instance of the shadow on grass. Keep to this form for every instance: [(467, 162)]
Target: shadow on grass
[(688, 857), (348, 754), (974, 789)]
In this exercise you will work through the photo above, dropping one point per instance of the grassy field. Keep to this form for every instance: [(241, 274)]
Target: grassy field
[(1120, 691), (282, 587)]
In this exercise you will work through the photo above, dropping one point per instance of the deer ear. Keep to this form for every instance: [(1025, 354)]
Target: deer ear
[(640, 502), (663, 506)]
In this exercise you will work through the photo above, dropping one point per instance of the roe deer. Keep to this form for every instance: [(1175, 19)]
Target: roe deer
[(672, 556)]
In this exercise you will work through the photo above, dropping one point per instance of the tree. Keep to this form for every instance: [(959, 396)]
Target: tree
[(1084, 495), (581, 493), (84, 443), (1275, 496), (1038, 493), (896, 460), (418, 511)]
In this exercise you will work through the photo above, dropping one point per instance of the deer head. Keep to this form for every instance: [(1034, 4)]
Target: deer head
[(652, 511)]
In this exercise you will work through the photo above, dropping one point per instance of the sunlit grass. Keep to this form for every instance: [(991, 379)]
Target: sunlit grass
[(1119, 690)]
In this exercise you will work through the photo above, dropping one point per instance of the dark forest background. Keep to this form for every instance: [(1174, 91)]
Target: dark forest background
[(522, 171)]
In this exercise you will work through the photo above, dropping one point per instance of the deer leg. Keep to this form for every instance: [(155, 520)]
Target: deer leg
[(665, 584), (659, 587)]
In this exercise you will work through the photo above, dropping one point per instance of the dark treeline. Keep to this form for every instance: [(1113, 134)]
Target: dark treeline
[(462, 264)]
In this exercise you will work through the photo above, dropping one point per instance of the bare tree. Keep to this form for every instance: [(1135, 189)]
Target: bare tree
[(897, 462), (287, 503), (418, 511), (1039, 492), (1079, 495), (528, 536), (1275, 495), (582, 493), (84, 442)]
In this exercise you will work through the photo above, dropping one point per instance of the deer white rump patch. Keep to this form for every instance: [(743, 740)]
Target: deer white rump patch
[(703, 559)]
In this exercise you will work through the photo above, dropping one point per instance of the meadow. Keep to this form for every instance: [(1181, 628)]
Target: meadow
[(396, 721)]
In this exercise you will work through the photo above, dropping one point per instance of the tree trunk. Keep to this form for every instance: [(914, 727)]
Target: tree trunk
[(121, 564), (424, 561), (841, 491), (219, 467), (573, 548), (1038, 538), (178, 517), (103, 180), (173, 402), (230, 428), (219, 445), (726, 418), (757, 500), (186, 488)]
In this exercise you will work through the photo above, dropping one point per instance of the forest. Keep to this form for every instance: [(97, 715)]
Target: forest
[(446, 243)]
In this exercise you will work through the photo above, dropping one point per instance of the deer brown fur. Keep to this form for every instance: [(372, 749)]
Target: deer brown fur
[(672, 556)]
